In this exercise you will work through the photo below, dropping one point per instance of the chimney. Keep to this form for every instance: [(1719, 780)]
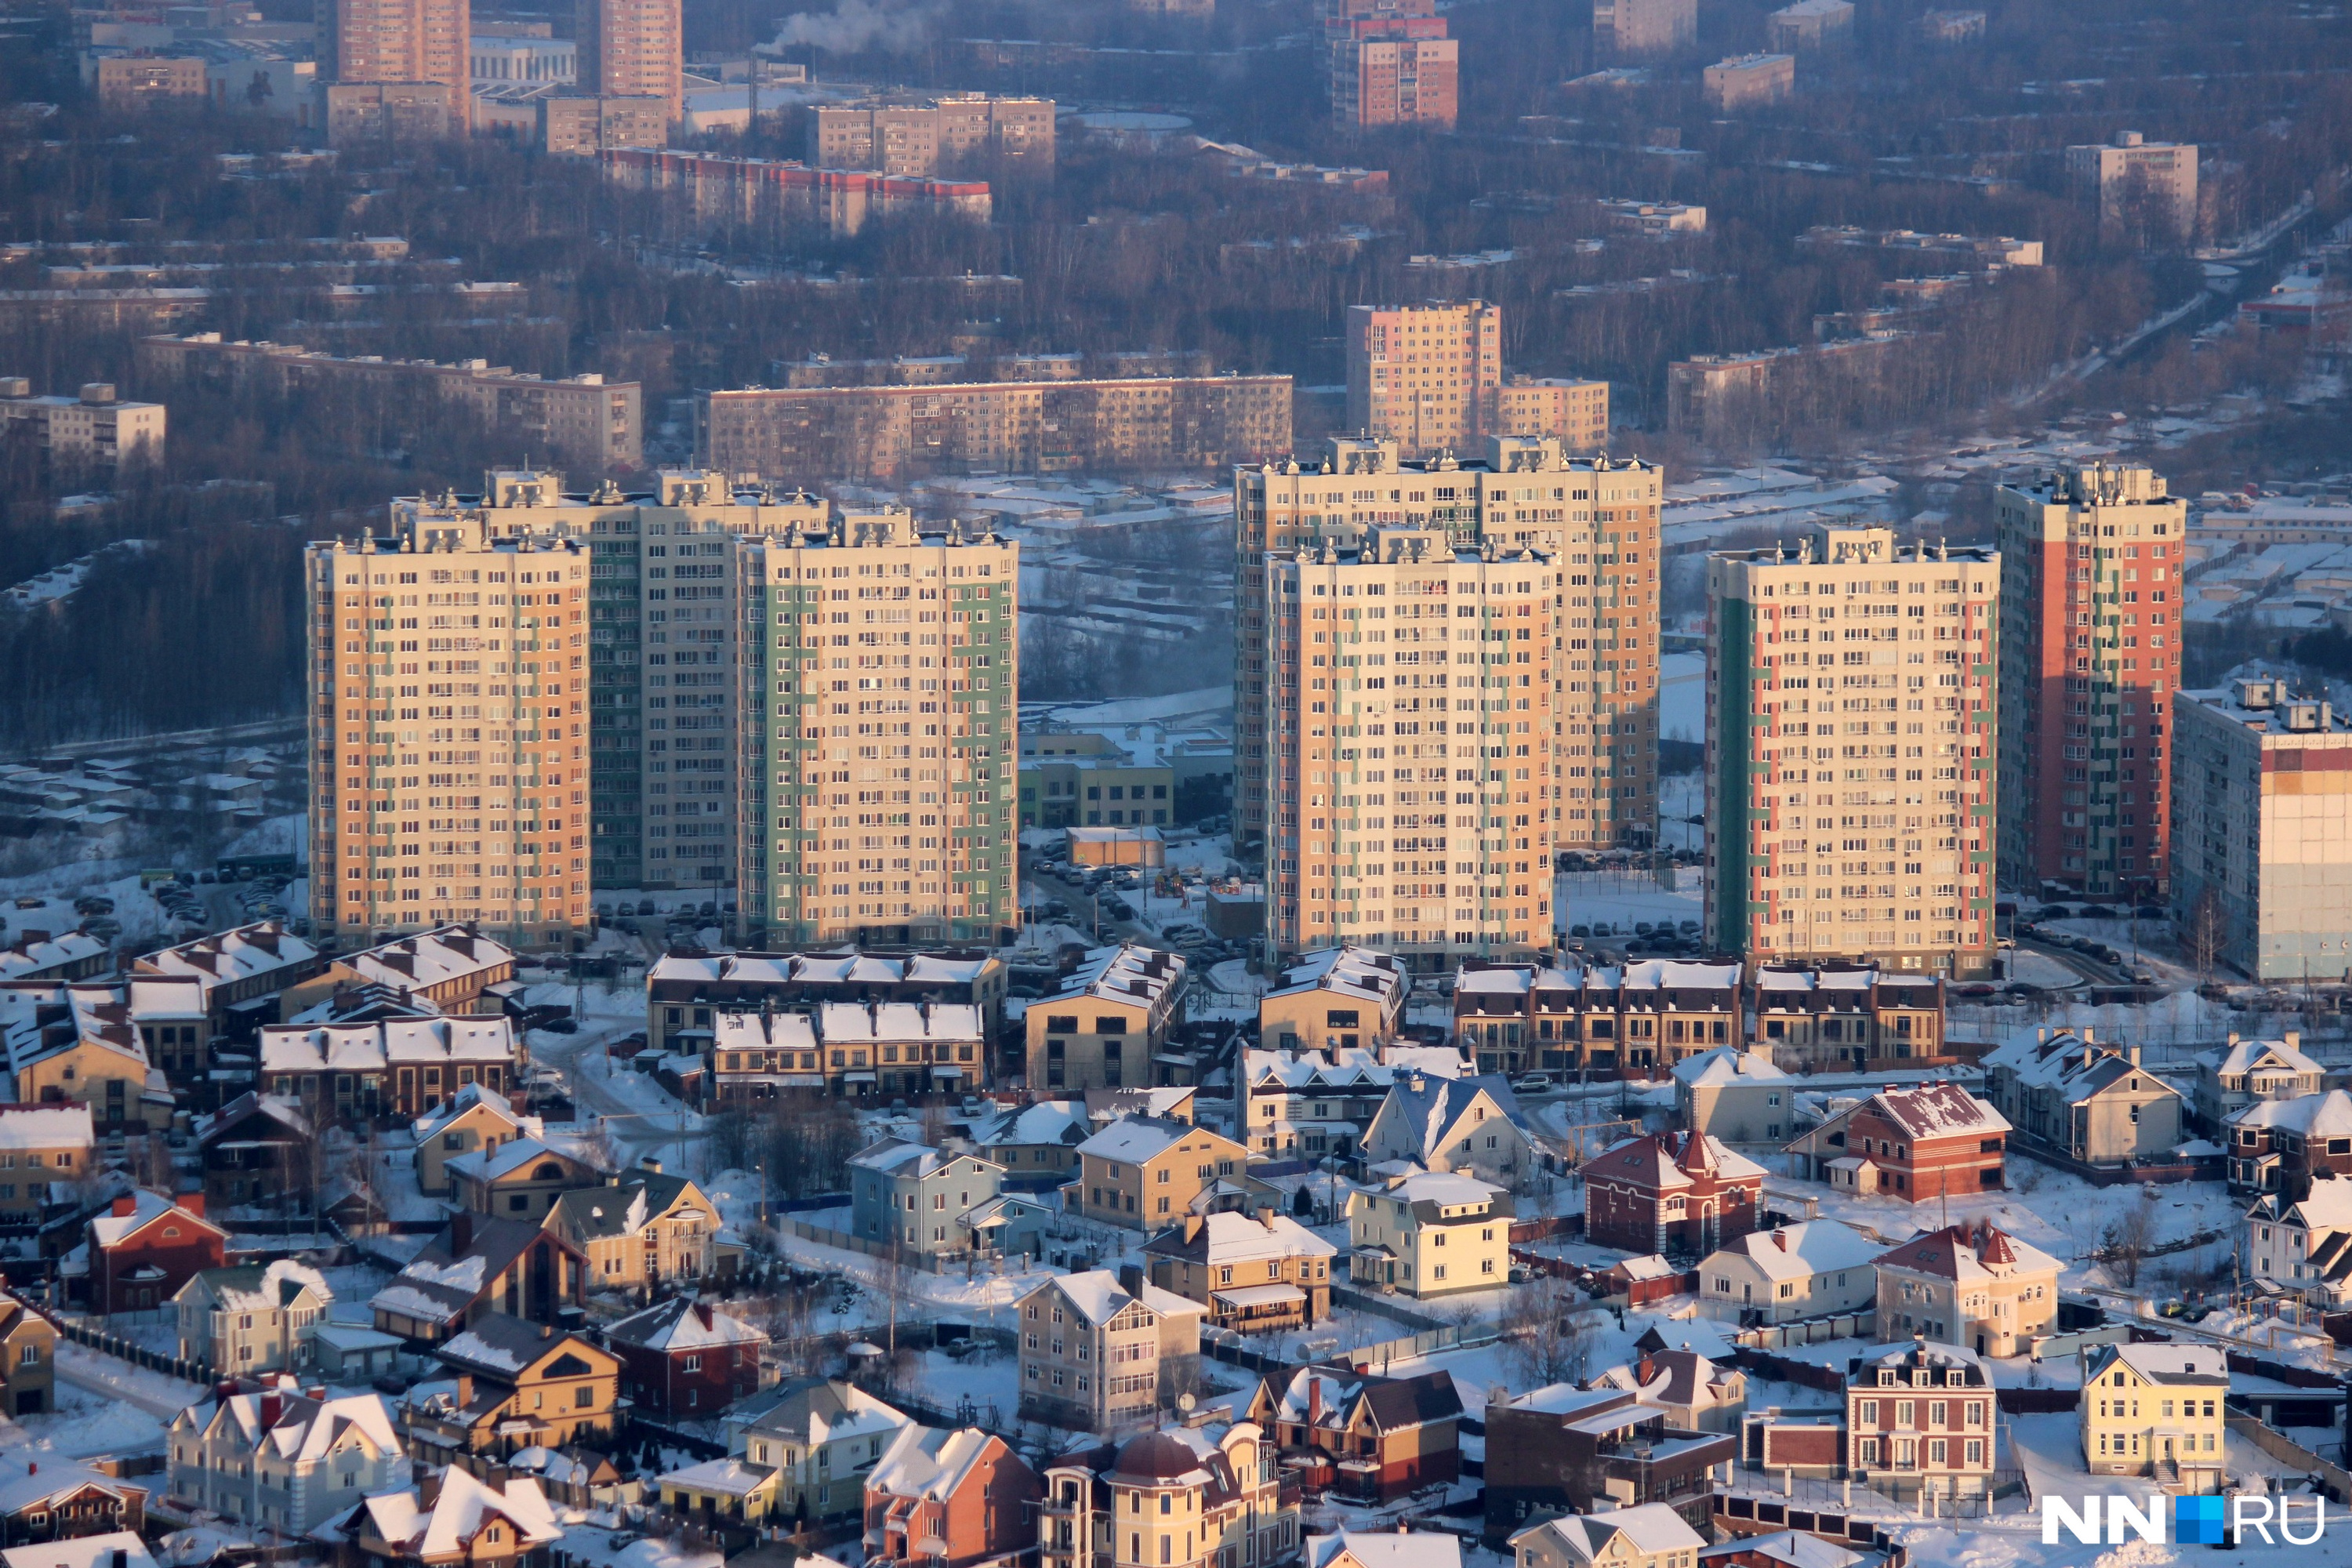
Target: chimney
[(1781, 1240), (1314, 1398), (125, 1206), (461, 1232), (1644, 1369), (650, 1163), (465, 1390), (1192, 1224), (1268, 1216), (702, 1313), (192, 1202), (121, 1558), (272, 1407), (547, 1331), (2135, 1055), (2295, 1039)]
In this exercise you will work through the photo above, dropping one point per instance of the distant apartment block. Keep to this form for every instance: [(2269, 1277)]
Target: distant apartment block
[(582, 421), (134, 81), (1574, 413), (2134, 180), (1989, 251), (1395, 68), (1623, 28), (1730, 398), (1809, 24), (394, 112), (935, 369), (580, 126), (1745, 81), (754, 190), (1428, 377), (395, 68), (890, 432), (2261, 830), (96, 427), (1656, 219), (1952, 26), (941, 136), (630, 48)]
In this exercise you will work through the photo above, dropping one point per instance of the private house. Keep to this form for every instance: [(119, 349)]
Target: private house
[(44, 1499), (2156, 1411), (511, 1385), (1973, 1285), (817, 1439), (36, 954), (1430, 1233), (1311, 1104), (921, 1199), (716, 1494), (100, 1063), (2247, 1071), (28, 1358), (1335, 999), (1696, 1395), (1105, 1021), (174, 1018), (451, 967), (450, 1519), (259, 1153), (243, 972), (1735, 1096), (477, 1266), (1182, 1495), (685, 1360), (1568, 1450), (2091, 1103), (41, 1145), (1253, 1272), (1683, 1194), (573, 1478), (253, 1319), (145, 1247), (116, 1549), (1364, 1436), (1651, 1536), (642, 1230), (1144, 1173), (688, 993), (1037, 1144), (950, 1500), (518, 1180), (1934, 1141), (477, 1119), (1100, 1353), (392, 1069), (1919, 1419), (1809, 1271), (2303, 1247), (1469, 1126), (1400, 1548), (1847, 1018), (2281, 1145), (267, 1453), (1571, 1016)]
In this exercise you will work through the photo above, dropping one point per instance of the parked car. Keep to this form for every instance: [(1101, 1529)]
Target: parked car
[(1532, 1083)]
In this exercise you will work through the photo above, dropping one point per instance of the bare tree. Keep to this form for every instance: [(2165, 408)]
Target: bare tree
[(2209, 930), (2127, 1238), (1548, 1334)]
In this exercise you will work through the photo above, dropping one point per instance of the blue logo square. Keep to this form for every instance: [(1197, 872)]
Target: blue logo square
[(2197, 1520)]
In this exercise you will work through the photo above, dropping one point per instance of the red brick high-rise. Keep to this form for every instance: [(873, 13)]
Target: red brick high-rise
[(1391, 63)]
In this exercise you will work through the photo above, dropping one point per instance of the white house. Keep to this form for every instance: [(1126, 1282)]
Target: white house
[(1696, 1395), (2250, 1070), (1398, 1548), (1737, 1096), (1649, 1536), (253, 1319), (280, 1458), (2304, 1248), (1807, 1270)]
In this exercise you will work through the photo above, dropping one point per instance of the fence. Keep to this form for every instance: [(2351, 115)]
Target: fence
[(1453, 1337), (1782, 1370), (1807, 1331), (889, 1253), (2332, 1478), (188, 1371)]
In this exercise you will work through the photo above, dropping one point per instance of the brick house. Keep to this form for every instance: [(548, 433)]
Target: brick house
[(2278, 1145), (1564, 1450), (1686, 1194), (683, 1360), (476, 1266), (146, 1247), (1919, 1417), (1933, 1141), (1363, 1435), (949, 1499), (46, 1500)]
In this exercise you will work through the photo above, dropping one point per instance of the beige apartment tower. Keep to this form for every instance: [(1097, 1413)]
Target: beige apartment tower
[(1427, 377), (448, 703), (630, 48), (942, 136), (2137, 181), (1849, 773), (880, 691)]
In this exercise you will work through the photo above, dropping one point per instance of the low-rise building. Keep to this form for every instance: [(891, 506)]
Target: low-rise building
[(453, 1518), (688, 993), (1088, 780), (1100, 1353), (1335, 999), (252, 1319), (920, 1199), (96, 428), (1471, 1126), (2280, 1145), (145, 1247), (1562, 1449), (1649, 1536), (1105, 1021), (1254, 1273), (519, 1180), (1696, 1393), (685, 1360), (2305, 1246), (1848, 1017), (511, 1384), (1735, 1096), (1968, 1285), (1656, 219), (1314, 1104), (916, 1047), (2245, 1071), (950, 1500), (642, 1230), (243, 971), (2156, 1411), (258, 1151), (1809, 24), (28, 1358), (451, 966), (1361, 1435), (1678, 1193), (50, 1499), (477, 1266), (1400, 1548), (1744, 81), (1808, 1270), (394, 1069), (41, 1145), (1142, 1172), (1185, 1495), (1430, 1233), (1574, 1016), (1919, 1420), (2090, 1101), (817, 1439), (477, 1119), (1934, 1141), (265, 1453)]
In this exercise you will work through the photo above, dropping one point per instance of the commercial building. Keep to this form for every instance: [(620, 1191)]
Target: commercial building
[(2261, 830), (898, 432), (582, 421), (1850, 785), (630, 48), (2091, 564), (1595, 519), (96, 428), (396, 68), (1809, 24), (878, 725), (1627, 28), (944, 135), (1085, 779), (761, 191), (1746, 79), (2138, 184)]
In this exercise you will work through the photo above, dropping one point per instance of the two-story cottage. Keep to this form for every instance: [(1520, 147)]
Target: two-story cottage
[(145, 1247), (1651, 1536), (1100, 1353), (2156, 1411), (1934, 1141), (1399, 1548), (1735, 1096), (1561, 1449), (2231, 1079), (100, 1061), (1429, 1233), (258, 1151), (2280, 1145), (1469, 1126), (1571, 1016), (643, 1229), (511, 1385), (1144, 1173), (452, 1518), (1806, 1271), (1968, 1285), (1662, 1192), (394, 1069), (1335, 999), (2304, 1247), (1919, 1421), (1696, 1393), (1107, 1019), (1181, 1499), (685, 1360), (817, 1439), (520, 1179), (477, 1266), (1313, 1104), (1362, 1435), (450, 966), (926, 1201), (1254, 1273), (477, 1119), (268, 1454), (950, 1500), (28, 1358), (2090, 1101), (252, 1319), (243, 972), (41, 1145)]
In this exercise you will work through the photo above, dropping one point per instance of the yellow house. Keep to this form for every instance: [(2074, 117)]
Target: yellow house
[(28, 1359), (478, 1120), (110, 1073), (1147, 1174), (1431, 1233), (725, 1489), (1105, 1021), (513, 1383), (40, 1144), (2156, 1410), (518, 1180), (1338, 998), (1649, 1536), (647, 1230)]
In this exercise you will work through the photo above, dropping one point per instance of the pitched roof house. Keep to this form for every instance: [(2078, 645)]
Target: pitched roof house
[(1797, 1271), (1696, 1395), (2091, 1101), (268, 1454), (1470, 1126), (684, 1359), (452, 1519), (1929, 1141), (514, 1385), (1253, 1272), (145, 1247), (643, 1228), (478, 1265), (2229, 1080), (1670, 1193), (1972, 1286), (950, 1500), (1365, 1436)]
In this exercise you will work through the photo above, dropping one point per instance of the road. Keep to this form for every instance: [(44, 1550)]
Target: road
[(582, 1059), (2093, 970)]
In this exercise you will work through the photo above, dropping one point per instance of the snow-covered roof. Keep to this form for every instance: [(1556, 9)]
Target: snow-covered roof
[(1970, 1254), (261, 1288), (120, 1546), (29, 959), (226, 958), (2201, 1364), (1939, 1110), (862, 1022), (430, 958), (1385, 1548), (930, 1463), (904, 1157), (2328, 1114), (1226, 1237), (1359, 973), (2246, 1056), (1348, 1071), (1099, 1297), (432, 1122), (1063, 1121), (1658, 1163), (293, 1426), (1135, 1140), (1446, 1189), (1800, 1251), (491, 1164), (820, 968), (817, 1411), (465, 1506), (1726, 1064), (729, 1477), (1652, 1527), (2067, 1064), (373, 1048), (1140, 976), (1428, 1113), (65, 1126), (112, 1229), (680, 1325), (744, 1031)]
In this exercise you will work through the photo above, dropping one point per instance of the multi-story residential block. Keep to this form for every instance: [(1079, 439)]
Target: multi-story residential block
[(1313, 1104), (1744, 81), (145, 1247), (580, 126), (1599, 517), (1809, 24), (128, 82), (395, 1071), (511, 1380), (1627, 28), (685, 1360), (642, 1231), (1104, 1353), (28, 1358), (251, 1320), (2091, 563), (2281, 1145), (711, 190), (1430, 1233), (1919, 1420), (445, 969), (1394, 70), (268, 1454), (1470, 1126), (1021, 426), (1183, 1494), (2090, 1101), (1254, 1273), (1427, 377), (950, 1500), (1735, 1095), (1561, 1449), (879, 734), (48, 1145), (1842, 1016), (1850, 787), (1968, 1285), (2260, 783), (920, 1199), (1569, 1015), (2248, 1071), (815, 1440), (2148, 186), (1335, 999), (1659, 1192), (945, 135), (2157, 1410), (1933, 1141), (420, 47), (1146, 1174), (1380, 1436), (95, 429), (630, 48), (688, 993), (593, 426), (1808, 1270), (1577, 412), (1107, 1020)]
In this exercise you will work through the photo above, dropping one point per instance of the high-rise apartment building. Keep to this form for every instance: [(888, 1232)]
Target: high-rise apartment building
[(1850, 773), (630, 48), (1390, 62), (2134, 180), (388, 43), (1598, 518), (2091, 562), (880, 691), (448, 701), (1411, 746), (1428, 377)]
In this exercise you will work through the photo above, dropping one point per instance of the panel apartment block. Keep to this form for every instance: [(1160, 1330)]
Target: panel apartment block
[(1601, 520), (1625, 28), (1427, 377), (2130, 172), (97, 427), (944, 135), (710, 191), (1849, 778), (892, 432), (1401, 71), (400, 43), (880, 692), (2091, 564), (630, 48), (448, 703)]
